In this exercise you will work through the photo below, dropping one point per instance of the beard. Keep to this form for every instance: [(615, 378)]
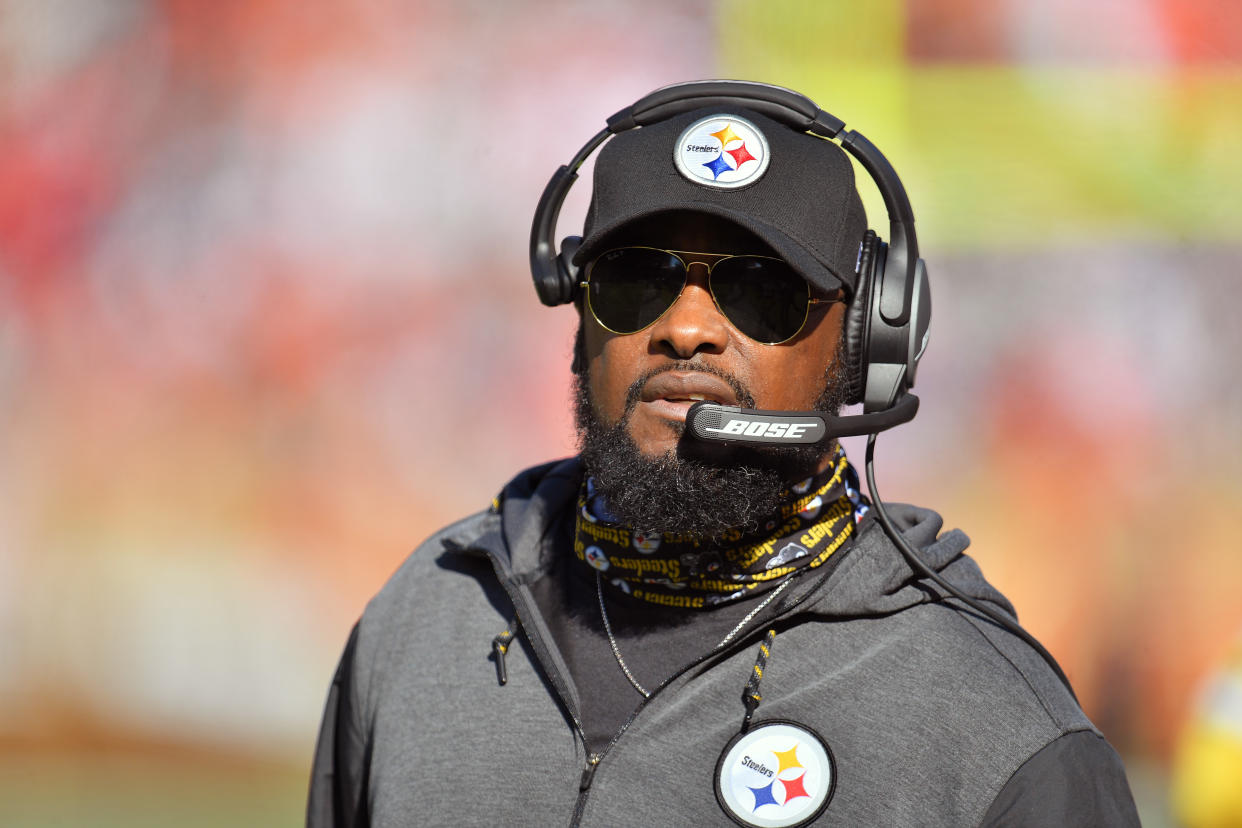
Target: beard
[(699, 489)]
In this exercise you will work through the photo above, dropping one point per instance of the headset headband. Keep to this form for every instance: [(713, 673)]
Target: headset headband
[(783, 105)]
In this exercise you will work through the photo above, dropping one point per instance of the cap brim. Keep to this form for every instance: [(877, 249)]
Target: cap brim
[(602, 239)]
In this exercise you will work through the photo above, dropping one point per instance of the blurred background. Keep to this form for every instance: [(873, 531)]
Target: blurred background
[(263, 287)]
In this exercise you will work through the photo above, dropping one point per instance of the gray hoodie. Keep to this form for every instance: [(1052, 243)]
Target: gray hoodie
[(931, 715)]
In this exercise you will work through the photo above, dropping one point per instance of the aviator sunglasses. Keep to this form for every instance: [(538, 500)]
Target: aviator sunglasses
[(628, 289)]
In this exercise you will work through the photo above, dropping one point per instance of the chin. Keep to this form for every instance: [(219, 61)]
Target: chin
[(658, 439)]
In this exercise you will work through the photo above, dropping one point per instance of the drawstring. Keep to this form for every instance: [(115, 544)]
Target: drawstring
[(751, 696), (500, 646)]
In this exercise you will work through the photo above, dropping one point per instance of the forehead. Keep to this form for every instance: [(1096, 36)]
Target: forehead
[(696, 232)]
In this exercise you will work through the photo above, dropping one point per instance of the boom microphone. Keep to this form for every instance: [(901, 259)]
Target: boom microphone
[(730, 424)]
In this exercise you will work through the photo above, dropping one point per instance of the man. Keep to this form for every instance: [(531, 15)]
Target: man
[(673, 630)]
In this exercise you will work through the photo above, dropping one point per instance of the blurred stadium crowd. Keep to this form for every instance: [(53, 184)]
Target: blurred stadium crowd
[(263, 297)]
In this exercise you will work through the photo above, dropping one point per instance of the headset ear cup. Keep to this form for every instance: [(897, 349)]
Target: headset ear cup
[(566, 269), (857, 319)]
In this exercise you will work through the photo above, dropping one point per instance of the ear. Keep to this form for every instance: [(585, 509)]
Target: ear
[(578, 365)]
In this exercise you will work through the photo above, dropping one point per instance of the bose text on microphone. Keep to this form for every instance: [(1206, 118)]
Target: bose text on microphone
[(709, 421), (730, 424)]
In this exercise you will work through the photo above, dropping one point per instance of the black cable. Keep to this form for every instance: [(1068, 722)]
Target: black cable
[(917, 564)]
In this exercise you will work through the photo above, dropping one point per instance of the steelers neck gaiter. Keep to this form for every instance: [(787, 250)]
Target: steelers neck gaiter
[(816, 518)]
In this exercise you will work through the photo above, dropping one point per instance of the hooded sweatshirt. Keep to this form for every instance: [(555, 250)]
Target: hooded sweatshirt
[(453, 705)]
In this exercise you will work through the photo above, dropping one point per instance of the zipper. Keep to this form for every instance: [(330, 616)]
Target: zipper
[(589, 774), (594, 759), (543, 655), (584, 788), (544, 658)]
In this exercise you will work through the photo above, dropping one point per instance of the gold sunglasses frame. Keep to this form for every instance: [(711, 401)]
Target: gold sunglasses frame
[(702, 259)]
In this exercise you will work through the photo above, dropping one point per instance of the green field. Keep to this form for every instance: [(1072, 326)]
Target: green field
[(107, 790)]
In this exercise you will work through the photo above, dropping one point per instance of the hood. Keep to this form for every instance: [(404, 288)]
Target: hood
[(529, 506), (873, 579)]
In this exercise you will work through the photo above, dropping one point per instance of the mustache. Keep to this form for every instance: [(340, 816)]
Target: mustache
[(634, 393)]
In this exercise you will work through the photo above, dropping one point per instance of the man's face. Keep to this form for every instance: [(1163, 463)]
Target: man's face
[(693, 352), (631, 400)]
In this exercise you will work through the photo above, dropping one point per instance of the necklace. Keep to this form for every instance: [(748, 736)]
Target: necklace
[(603, 613), (616, 651)]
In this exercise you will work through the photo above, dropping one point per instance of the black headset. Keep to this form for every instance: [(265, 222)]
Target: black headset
[(887, 322)]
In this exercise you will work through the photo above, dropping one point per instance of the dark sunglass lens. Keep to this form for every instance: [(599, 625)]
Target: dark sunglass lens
[(763, 298), (628, 289)]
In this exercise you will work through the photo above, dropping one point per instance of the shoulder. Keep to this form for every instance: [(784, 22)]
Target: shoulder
[(958, 681), (447, 592), (440, 579), (970, 702), (445, 555), (945, 635), (431, 577)]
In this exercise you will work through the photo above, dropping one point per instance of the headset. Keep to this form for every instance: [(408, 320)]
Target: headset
[(887, 321)]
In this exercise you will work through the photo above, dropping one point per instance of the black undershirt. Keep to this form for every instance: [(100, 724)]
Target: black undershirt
[(656, 642)]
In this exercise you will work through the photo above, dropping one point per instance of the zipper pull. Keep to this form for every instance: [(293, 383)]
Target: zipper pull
[(500, 646), (589, 773)]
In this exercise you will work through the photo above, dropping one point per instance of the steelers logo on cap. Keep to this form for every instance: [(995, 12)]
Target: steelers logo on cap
[(778, 774), (721, 151)]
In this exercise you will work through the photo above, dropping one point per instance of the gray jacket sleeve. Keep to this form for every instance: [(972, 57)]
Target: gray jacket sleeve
[(340, 772), (1075, 780)]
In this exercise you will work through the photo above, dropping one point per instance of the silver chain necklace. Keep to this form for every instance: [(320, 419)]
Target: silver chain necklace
[(603, 613)]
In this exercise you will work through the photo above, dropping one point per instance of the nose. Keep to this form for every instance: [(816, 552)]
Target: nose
[(693, 324)]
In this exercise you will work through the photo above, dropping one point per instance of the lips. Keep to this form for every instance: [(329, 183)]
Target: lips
[(673, 392)]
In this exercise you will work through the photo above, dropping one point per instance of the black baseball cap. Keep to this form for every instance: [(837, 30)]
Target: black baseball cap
[(793, 190)]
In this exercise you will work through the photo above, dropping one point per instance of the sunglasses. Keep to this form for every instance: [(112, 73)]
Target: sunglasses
[(628, 289)]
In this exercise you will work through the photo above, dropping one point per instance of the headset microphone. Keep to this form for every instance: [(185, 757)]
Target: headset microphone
[(730, 424)]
